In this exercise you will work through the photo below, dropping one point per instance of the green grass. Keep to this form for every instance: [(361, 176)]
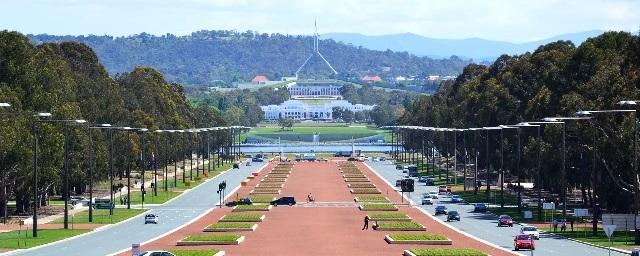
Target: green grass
[(365, 191), (162, 197), (194, 252), (212, 238), (23, 239), (381, 207), (388, 216), (232, 225), (399, 224), (252, 207), (362, 185), (329, 133), (418, 236), (481, 197), (262, 199), (242, 217), (446, 252), (365, 198), (620, 239), (101, 216)]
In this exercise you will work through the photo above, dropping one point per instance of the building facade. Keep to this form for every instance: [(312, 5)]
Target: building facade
[(309, 109)]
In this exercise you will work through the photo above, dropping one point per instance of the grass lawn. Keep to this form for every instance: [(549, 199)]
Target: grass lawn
[(380, 207), (23, 239), (194, 252), (481, 197), (518, 217), (212, 238), (262, 199), (620, 239), (417, 236), (446, 252), (252, 207), (136, 197), (242, 217), (101, 216), (232, 225), (330, 132), (399, 224), (365, 198), (388, 216)]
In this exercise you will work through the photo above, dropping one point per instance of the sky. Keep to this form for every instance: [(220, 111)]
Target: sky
[(505, 20)]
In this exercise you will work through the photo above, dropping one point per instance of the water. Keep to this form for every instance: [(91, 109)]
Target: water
[(298, 148)]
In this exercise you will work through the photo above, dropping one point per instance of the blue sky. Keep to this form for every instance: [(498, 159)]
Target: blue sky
[(506, 20)]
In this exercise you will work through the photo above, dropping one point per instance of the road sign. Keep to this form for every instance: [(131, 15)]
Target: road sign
[(528, 215), (608, 229), (548, 206), (578, 212)]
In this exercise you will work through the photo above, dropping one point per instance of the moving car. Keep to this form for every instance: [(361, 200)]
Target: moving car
[(151, 218), (422, 179), (530, 230), (241, 201), (398, 183), (426, 199), (429, 182), (342, 154), (287, 200), (442, 189), (352, 159), (441, 209), (456, 199), (156, 253), (257, 159), (480, 207), (523, 241), (433, 194), (453, 215), (398, 167), (505, 220)]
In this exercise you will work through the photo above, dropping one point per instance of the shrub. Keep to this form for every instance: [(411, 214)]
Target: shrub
[(242, 217), (187, 183), (198, 178), (446, 252)]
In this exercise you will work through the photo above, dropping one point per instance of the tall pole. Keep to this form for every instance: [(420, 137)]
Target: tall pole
[(154, 155), (518, 173), (564, 171), (184, 157), (594, 182), (455, 157), (175, 162), (91, 171), (143, 190), (111, 171), (464, 167), (191, 156), (486, 164), (635, 171), (501, 168), (65, 181), (34, 128), (166, 162), (129, 178), (539, 185)]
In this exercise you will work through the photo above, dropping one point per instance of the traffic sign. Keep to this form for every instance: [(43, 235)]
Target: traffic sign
[(581, 212), (548, 206), (608, 229)]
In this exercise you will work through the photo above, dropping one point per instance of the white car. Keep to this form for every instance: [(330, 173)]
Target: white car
[(426, 199), (156, 253), (530, 230), (433, 194), (151, 218)]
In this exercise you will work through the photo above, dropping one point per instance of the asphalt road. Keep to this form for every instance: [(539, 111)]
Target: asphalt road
[(484, 225), (173, 214)]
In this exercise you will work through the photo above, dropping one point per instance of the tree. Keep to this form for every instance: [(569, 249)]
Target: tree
[(285, 123)]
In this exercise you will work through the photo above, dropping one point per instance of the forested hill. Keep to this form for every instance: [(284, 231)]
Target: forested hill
[(206, 56)]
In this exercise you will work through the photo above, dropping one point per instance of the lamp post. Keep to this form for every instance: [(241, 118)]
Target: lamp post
[(487, 158), (525, 125), (66, 160), (475, 154), (502, 162), (34, 127)]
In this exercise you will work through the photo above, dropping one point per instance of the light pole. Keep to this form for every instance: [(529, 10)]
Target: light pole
[(502, 162), (475, 154), (4, 185), (487, 156), (525, 125), (34, 127), (65, 181)]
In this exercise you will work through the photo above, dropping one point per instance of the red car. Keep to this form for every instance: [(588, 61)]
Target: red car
[(505, 220), (524, 242), (443, 190)]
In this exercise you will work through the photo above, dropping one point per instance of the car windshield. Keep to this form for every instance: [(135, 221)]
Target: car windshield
[(529, 229), (505, 217), (524, 237), (453, 213)]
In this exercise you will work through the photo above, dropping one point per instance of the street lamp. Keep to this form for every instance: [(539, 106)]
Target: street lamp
[(34, 127), (522, 125), (502, 162), (487, 129)]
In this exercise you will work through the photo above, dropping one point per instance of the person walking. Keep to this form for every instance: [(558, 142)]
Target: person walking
[(563, 225), (366, 222), (554, 223)]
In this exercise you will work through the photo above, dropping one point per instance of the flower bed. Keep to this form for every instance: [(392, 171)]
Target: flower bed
[(242, 217), (389, 217), (211, 240), (365, 191), (355, 176), (352, 180), (377, 207), (418, 238), (361, 185), (261, 199), (231, 226), (251, 207), (443, 252), (372, 198), (400, 226)]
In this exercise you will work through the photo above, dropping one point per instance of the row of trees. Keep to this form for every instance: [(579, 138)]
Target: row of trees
[(67, 80), (557, 79)]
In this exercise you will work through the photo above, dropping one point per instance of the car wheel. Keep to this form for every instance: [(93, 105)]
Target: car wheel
[(290, 204), (517, 248)]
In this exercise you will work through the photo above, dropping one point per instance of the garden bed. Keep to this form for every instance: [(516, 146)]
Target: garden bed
[(282, 180), (352, 180), (262, 199), (400, 226), (211, 252), (265, 192), (377, 207), (231, 226), (354, 176), (269, 185), (277, 176), (361, 185), (443, 252), (372, 198), (211, 240), (389, 217), (365, 191), (252, 207), (242, 217), (419, 238)]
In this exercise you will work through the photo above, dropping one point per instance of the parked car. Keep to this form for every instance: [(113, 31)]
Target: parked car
[(530, 230), (456, 199), (523, 241), (342, 154), (151, 218), (453, 215), (287, 200), (427, 200), (441, 209), (156, 253), (241, 201), (505, 220), (480, 207), (248, 163)]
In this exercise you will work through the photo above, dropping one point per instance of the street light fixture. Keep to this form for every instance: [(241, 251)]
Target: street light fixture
[(3, 104), (522, 125), (487, 129)]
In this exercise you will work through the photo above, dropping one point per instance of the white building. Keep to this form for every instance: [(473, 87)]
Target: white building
[(321, 109)]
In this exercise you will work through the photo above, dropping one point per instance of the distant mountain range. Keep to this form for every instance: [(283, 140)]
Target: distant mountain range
[(476, 48)]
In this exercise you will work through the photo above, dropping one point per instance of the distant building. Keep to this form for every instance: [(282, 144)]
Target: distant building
[(260, 80), (315, 89), (401, 79), (371, 79), (433, 77), (321, 109), (288, 78)]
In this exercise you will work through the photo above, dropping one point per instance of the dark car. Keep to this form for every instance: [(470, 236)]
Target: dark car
[(342, 154), (398, 183), (242, 201), (257, 159), (352, 159), (441, 209), (505, 220), (287, 200), (480, 208), (453, 215)]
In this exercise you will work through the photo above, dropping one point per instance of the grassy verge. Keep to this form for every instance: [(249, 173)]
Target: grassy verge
[(211, 238), (101, 216), (232, 225), (242, 217), (252, 207), (262, 199), (399, 224), (363, 198), (23, 239), (378, 207), (161, 198), (619, 239), (481, 197), (388, 216), (417, 236), (446, 252), (194, 252)]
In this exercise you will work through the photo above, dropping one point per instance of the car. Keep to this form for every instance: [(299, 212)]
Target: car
[(398, 183), (342, 154), (382, 159), (236, 166), (479, 207), (241, 201), (422, 179), (505, 220), (427, 200), (398, 167), (287, 200), (442, 190), (429, 182), (530, 230), (248, 163), (257, 159), (405, 169), (441, 209), (453, 215), (433, 194), (352, 159), (523, 241), (151, 218), (456, 199), (361, 159), (156, 253)]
